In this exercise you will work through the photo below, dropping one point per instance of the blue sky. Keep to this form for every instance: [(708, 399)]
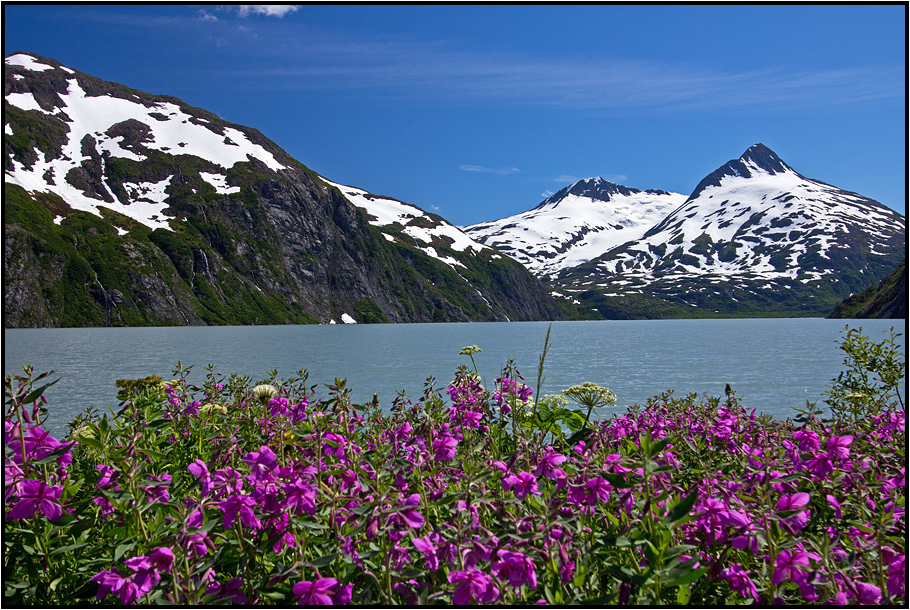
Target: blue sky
[(480, 112)]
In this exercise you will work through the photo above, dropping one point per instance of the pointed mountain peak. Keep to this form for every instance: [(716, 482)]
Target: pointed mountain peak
[(762, 157), (597, 189), (757, 159)]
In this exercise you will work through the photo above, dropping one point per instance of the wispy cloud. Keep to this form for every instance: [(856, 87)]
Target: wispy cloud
[(303, 58), (268, 10), (400, 69), (504, 171)]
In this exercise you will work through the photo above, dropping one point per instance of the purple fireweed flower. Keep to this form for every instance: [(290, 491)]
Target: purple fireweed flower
[(897, 576), (337, 450), (104, 504), (866, 594), (807, 440), (788, 564), (226, 481), (111, 581), (834, 503), (10, 431), (820, 464), (162, 558), (597, 489), (349, 480), (108, 477), (317, 592), (517, 568), (739, 581), (548, 465), (197, 545), (409, 516), (279, 406), (806, 586), (145, 575), (241, 505), (12, 476), (521, 484), (794, 502), (231, 591), (460, 506), (34, 496), (472, 586), (261, 463), (478, 551), (200, 470), (38, 444), (465, 417), (157, 490), (746, 542), (612, 464), (838, 446), (426, 546), (444, 446)]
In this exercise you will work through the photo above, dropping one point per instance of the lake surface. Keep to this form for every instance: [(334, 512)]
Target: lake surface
[(774, 365)]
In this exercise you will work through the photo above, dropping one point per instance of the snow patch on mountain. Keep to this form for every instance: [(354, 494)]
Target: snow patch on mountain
[(219, 181), (28, 62), (384, 212)]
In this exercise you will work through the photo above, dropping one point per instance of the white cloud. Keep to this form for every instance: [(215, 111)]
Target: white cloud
[(204, 15), (566, 179), (505, 171), (547, 193), (269, 10)]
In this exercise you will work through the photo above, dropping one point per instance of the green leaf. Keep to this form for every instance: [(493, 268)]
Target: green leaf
[(67, 548), (688, 577), (659, 446), (121, 549), (35, 394), (321, 562), (682, 508), (51, 457), (617, 480), (91, 442), (683, 595)]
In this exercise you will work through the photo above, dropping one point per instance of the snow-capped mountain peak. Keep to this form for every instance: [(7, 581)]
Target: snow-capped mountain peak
[(755, 224), (576, 224), (595, 189)]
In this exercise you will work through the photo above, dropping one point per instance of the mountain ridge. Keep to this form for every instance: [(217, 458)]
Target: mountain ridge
[(754, 238), (127, 208)]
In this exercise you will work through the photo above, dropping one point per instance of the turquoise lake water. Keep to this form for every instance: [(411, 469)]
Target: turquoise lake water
[(774, 365)]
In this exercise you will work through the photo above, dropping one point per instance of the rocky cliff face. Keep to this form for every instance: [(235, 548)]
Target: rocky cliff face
[(124, 208)]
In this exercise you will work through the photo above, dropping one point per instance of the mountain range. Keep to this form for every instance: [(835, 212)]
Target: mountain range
[(754, 238), (126, 208)]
